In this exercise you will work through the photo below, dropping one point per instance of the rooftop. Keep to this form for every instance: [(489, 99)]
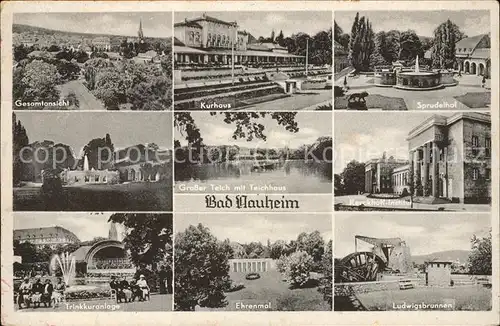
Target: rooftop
[(46, 232), (439, 120), (469, 42)]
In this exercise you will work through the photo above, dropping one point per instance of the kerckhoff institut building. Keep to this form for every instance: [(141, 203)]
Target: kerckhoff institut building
[(449, 158)]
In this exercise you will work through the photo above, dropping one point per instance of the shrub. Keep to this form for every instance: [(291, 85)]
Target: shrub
[(281, 264), (405, 193), (235, 287), (252, 276), (338, 91), (298, 268)]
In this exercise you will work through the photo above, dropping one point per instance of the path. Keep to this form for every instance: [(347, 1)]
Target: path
[(86, 99)]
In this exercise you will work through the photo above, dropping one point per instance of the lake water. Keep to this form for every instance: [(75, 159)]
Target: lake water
[(287, 177)]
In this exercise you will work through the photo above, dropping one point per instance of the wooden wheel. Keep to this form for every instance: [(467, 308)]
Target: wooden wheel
[(360, 267)]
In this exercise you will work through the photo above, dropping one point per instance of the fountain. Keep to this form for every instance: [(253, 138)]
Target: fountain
[(66, 262), (412, 79), (85, 163)]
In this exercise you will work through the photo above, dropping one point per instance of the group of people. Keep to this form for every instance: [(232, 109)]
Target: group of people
[(38, 292), (129, 291)]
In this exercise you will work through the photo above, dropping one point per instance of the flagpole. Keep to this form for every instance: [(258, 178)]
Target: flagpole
[(307, 54), (232, 55)]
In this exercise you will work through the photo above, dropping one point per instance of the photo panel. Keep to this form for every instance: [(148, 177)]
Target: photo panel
[(92, 61), (413, 162), (412, 60), (272, 60), (83, 161), (413, 262), (253, 152), (88, 262), (262, 262)]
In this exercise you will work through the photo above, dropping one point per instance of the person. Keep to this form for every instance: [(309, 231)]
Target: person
[(36, 297), (143, 285), (25, 293), (125, 287), (136, 291), (162, 274), (48, 288), (58, 293)]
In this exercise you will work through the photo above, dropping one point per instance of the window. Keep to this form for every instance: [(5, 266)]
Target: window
[(475, 174), (487, 146), (488, 174), (475, 145)]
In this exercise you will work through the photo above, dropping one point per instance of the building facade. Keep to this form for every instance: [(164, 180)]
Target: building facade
[(207, 39), (49, 236), (473, 55), (378, 174), (251, 265), (450, 157)]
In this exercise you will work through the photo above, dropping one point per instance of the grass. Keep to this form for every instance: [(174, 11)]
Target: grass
[(374, 101), (120, 197), (470, 298), (475, 100), (270, 287)]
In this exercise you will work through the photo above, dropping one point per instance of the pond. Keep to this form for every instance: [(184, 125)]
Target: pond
[(293, 176)]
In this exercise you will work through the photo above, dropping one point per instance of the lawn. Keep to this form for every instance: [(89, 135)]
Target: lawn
[(140, 196), (374, 101), (471, 298), (475, 100), (271, 288)]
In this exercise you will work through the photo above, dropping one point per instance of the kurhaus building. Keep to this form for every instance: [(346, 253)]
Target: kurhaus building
[(207, 39), (450, 158)]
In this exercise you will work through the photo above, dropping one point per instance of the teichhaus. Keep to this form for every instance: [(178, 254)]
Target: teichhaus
[(47, 236), (206, 39), (449, 158)]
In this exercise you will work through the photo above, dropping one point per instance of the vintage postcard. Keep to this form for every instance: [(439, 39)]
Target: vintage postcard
[(250, 163)]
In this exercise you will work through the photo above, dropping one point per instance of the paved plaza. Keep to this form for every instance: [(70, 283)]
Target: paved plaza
[(468, 94)]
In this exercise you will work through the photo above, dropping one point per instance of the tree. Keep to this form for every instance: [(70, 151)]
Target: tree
[(67, 70), (354, 177), (54, 48), (40, 79), (99, 152), (20, 52), (201, 269), (338, 185), (278, 249), (325, 286), (480, 258), (297, 268), (148, 237), (361, 44), (280, 38), (446, 35), (19, 141)]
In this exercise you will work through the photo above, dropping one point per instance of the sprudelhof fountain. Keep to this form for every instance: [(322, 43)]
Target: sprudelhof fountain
[(407, 79), (66, 262)]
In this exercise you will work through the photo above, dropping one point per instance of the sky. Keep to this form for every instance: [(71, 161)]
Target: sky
[(215, 131), (262, 23), (76, 129), (258, 226), (154, 24), (423, 233), (471, 22), (361, 137), (86, 226)]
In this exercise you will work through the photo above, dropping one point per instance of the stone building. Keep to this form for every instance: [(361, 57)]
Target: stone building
[(378, 174), (438, 273), (48, 236), (473, 55), (451, 157), (207, 39)]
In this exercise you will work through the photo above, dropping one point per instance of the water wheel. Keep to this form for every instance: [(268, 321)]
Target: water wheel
[(359, 267)]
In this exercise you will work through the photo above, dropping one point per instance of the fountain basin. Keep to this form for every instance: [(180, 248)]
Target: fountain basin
[(418, 80), (384, 78)]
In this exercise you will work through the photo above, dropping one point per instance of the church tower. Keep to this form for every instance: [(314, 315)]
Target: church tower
[(140, 33), (113, 233)]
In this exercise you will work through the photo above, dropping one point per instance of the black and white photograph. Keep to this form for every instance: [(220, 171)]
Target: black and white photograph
[(86, 161), (413, 162), (92, 61), (413, 262), (262, 262), (253, 152), (261, 60), (412, 60), (92, 262)]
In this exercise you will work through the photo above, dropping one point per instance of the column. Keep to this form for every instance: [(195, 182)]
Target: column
[(425, 172), (416, 167), (435, 172)]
